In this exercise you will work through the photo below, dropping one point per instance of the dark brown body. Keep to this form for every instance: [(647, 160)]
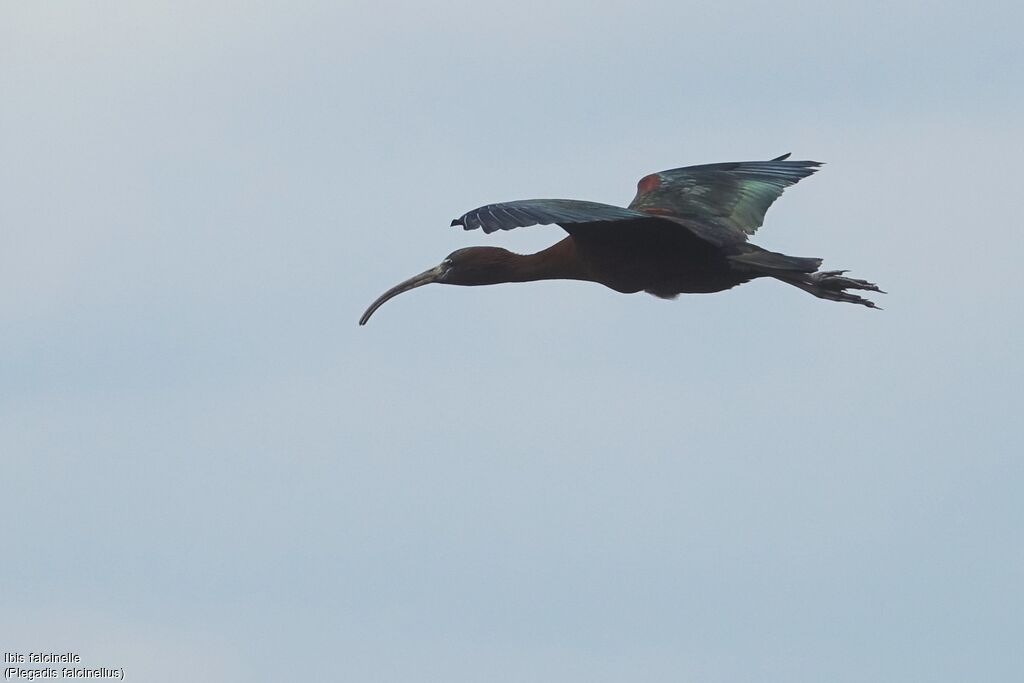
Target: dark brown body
[(663, 269)]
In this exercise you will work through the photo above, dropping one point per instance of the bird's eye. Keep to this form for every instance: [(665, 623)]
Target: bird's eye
[(447, 263)]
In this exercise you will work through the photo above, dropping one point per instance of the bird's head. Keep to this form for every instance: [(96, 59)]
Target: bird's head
[(469, 266)]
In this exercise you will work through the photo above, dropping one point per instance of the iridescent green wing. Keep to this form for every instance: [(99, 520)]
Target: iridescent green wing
[(526, 212), (721, 203)]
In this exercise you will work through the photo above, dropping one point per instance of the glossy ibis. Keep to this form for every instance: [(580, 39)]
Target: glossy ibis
[(685, 231)]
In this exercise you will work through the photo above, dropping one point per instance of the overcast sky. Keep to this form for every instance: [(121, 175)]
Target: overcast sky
[(211, 473)]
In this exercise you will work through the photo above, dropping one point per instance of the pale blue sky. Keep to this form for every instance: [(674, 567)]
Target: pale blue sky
[(207, 464)]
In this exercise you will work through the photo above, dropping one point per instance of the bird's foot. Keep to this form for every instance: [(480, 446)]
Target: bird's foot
[(832, 284)]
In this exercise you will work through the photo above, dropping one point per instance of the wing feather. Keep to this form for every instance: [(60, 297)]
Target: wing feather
[(723, 203), (527, 212), (719, 203)]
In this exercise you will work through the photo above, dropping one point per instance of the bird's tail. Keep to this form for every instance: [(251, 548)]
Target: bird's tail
[(765, 262), (803, 273)]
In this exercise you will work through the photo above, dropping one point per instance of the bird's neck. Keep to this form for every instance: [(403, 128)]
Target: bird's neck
[(494, 265), (557, 262)]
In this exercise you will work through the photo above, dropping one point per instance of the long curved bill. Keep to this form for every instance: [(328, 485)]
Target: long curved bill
[(424, 278)]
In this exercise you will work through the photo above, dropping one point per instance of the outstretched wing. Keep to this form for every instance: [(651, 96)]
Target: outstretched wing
[(722, 203), (526, 212)]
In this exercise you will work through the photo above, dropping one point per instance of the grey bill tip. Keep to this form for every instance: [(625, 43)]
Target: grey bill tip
[(424, 278)]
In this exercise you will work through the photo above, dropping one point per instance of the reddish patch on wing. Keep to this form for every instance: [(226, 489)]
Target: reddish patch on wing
[(648, 183), (656, 211)]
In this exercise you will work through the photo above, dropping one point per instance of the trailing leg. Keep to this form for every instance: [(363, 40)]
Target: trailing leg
[(801, 272), (831, 285)]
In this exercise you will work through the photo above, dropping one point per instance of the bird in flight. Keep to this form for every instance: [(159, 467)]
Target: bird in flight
[(686, 231)]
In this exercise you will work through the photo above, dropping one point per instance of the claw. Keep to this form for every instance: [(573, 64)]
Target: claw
[(832, 285), (833, 279)]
